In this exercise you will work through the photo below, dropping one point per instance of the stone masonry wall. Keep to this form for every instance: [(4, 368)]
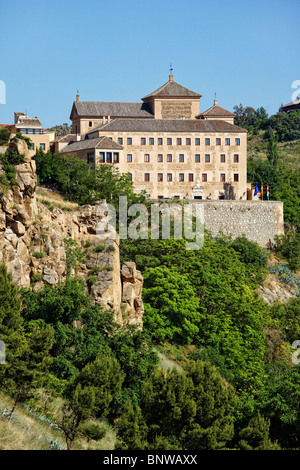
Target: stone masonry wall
[(259, 221)]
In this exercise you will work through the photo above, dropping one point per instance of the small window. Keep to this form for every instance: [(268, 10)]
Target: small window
[(147, 158), (169, 176), (191, 177), (227, 141), (188, 141), (143, 141), (222, 177), (169, 141), (42, 146), (207, 158), (179, 141), (197, 158), (151, 141), (120, 140), (218, 141), (129, 140), (129, 158), (169, 158), (101, 157), (181, 176), (181, 158), (160, 177), (236, 158), (236, 177), (130, 176), (160, 158), (197, 141), (90, 123), (207, 141), (160, 141), (116, 157), (237, 141), (147, 177), (204, 176), (222, 158)]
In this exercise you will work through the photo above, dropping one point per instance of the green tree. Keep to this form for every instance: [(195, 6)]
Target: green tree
[(171, 305), (78, 408), (255, 436), (4, 136), (272, 149), (132, 429)]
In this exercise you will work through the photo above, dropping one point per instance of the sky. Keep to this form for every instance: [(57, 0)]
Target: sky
[(245, 52)]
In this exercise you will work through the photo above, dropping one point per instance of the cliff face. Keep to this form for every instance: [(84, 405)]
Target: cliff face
[(40, 246)]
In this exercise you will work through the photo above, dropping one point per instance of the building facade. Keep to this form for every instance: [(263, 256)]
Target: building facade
[(168, 148)]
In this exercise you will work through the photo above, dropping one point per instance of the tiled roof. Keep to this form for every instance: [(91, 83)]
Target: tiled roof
[(67, 138), (87, 144), (28, 121), (293, 103), (166, 125), (216, 111), (113, 109), (172, 89)]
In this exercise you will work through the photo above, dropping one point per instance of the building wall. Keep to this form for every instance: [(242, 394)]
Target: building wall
[(259, 221), (175, 108), (213, 188)]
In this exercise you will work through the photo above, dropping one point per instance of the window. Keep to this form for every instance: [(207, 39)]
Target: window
[(129, 140), (222, 158), (169, 176), (178, 141), (207, 141), (101, 157), (181, 158), (90, 123), (204, 177), (197, 141), (169, 157), (169, 141), (159, 177), (222, 177), (218, 141), (188, 141), (108, 157), (160, 141), (227, 141), (207, 158), (236, 177), (197, 158), (143, 141), (160, 157), (181, 176), (91, 157), (129, 158), (130, 176), (147, 177), (120, 140), (116, 157), (147, 157), (151, 141), (237, 141), (191, 177), (42, 146), (235, 158)]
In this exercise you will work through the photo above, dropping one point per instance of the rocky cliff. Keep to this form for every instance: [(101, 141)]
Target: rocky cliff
[(41, 246)]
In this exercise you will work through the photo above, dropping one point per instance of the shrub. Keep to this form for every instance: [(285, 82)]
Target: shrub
[(39, 254), (99, 248)]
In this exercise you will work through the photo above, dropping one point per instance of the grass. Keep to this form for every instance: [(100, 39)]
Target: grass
[(33, 430), (53, 199), (288, 151)]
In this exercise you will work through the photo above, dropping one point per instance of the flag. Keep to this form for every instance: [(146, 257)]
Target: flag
[(268, 191), (256, 190), (262, 191)]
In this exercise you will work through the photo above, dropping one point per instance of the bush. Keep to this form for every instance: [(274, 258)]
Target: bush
[(99, 248)]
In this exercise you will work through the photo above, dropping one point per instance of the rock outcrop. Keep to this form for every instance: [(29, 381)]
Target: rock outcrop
[(41, 246)]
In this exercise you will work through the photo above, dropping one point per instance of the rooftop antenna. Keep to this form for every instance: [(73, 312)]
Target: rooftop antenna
[(26, 114)]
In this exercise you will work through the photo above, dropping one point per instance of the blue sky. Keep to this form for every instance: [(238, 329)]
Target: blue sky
[(120, 50)]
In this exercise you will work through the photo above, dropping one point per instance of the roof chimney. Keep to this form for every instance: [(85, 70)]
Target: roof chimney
[(215, 102), (77, 96), (170, 78)]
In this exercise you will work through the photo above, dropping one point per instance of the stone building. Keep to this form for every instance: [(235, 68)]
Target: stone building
[(168, 148)]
